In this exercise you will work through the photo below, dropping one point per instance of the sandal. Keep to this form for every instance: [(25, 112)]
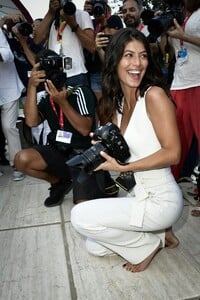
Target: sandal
[(196, 211)]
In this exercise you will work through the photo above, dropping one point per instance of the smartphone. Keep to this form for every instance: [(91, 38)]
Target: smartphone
[(109, 36)]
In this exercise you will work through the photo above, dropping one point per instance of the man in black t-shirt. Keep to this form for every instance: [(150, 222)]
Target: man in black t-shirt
[(70, 113)]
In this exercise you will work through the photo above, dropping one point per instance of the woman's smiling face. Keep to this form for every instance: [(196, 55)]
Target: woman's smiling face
[(133, 64)]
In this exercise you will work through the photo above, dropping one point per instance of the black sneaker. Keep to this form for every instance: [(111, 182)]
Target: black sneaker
[(57, 193)]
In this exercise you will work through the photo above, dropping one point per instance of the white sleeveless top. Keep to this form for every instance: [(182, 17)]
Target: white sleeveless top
[(139, 131), (151, 185)]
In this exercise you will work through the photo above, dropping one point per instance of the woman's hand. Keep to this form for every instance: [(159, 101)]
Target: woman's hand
[(110, 164)]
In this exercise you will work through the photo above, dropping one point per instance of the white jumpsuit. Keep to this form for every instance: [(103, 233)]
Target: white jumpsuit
[(133, 226)]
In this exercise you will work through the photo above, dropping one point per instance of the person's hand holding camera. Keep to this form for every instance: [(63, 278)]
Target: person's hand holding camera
[(18, 35), (54, 5), (70, 19), (37, 76), (102, 40), (110, 164), (58, 96), (176, 31)]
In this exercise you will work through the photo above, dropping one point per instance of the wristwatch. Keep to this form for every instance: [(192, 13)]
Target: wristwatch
[(75, 28)]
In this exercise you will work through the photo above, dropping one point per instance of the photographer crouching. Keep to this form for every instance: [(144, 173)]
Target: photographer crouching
[(70, 113)]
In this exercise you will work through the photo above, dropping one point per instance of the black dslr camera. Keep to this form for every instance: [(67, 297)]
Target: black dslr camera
[(99, 8), (110, 141), (56, 62), (25, 28), (51, 62), (53, 66), (160, 24)]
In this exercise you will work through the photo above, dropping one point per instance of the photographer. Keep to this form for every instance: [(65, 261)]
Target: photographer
[(18, 33), (93, 61), (185, 88), (136, 100), (131, 13), (113, 24), (70, 113), (69, 30)]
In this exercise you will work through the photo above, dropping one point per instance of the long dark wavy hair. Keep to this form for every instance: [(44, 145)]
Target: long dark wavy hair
[(112, 95)]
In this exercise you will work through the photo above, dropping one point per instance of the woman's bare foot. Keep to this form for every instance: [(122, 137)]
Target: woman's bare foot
[(171, 241), (141, 266)]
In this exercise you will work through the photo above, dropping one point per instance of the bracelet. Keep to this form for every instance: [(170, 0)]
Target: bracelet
[(75, 28)]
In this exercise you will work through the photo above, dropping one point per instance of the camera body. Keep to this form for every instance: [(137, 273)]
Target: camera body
[(110, 141), (56, 62), (107, 35), (160, 24), (63, 63), (53, 66), (47, 63), (25, 28)]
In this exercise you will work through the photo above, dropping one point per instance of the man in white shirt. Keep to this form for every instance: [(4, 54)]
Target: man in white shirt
[(11, 88), (68, 34), (131, 12)]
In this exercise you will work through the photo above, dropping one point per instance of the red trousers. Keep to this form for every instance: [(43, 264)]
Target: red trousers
[(188, 118)]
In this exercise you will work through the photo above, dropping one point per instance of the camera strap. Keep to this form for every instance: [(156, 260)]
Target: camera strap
[(140, 27)]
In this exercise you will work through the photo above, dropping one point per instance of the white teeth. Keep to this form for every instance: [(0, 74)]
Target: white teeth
[(134, 72)]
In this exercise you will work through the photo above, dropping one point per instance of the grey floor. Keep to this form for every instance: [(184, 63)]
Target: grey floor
[(43, 258)]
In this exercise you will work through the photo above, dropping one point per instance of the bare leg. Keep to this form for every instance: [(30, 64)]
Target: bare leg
[(30, 162), (143, 265), (171, 241)]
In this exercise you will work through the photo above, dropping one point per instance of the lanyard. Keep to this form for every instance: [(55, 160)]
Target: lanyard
[(61, 117), (60, 33), (183, 26), (60, 30)]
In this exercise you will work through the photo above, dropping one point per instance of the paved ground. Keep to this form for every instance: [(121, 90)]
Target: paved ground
[(43, 258)]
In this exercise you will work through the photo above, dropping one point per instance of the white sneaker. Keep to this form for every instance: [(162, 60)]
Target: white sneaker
[(17, 176), (1, 173)]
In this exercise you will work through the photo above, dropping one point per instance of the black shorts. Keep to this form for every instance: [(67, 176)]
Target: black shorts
[(87, 187)]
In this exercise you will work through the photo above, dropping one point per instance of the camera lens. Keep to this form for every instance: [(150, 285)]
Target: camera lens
[(99, 9), (69, 8)]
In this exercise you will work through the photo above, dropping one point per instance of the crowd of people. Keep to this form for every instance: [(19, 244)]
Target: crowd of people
[(81, 70)]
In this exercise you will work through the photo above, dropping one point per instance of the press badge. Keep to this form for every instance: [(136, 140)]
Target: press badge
[(182, 56), (63, 136)]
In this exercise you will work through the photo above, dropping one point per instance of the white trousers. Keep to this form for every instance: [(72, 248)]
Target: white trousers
[(9, 115), (108, 223)]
